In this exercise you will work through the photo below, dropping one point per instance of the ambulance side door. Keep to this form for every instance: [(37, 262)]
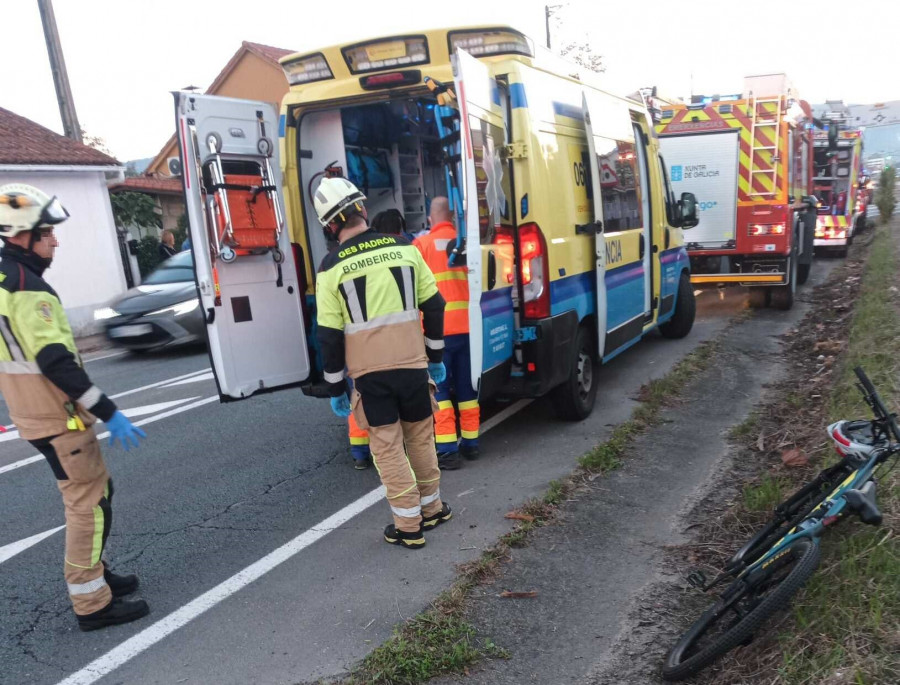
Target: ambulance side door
[(621, 201), (487, 207), (243, 262)]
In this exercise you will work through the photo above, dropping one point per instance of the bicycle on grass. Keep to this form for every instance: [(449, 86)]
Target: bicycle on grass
[(769, 570)]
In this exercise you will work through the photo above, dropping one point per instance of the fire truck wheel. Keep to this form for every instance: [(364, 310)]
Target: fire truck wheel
[(783, 295), (685, 309), (803, 273), (574, 399), (759, 297)]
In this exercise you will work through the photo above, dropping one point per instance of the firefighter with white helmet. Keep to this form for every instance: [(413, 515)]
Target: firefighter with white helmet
[(370, 291), (53, 403)]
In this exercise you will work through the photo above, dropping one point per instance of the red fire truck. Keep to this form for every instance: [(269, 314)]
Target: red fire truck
[(749, 160)]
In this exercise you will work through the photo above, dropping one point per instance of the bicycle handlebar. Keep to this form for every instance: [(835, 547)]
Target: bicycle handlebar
[(874, 400)]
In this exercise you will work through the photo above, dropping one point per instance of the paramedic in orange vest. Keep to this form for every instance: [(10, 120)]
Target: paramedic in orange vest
[(454, 287)]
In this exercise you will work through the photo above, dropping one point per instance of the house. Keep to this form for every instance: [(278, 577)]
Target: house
[(253, 73), (88, 269)]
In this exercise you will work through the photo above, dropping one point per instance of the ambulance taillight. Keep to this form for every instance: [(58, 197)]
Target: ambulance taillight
[(534, 270)]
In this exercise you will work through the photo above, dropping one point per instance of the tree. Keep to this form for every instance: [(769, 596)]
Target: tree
[(884, 194), (583, 55), (131, 171), (135, 210), (95, 142), (147, 254)]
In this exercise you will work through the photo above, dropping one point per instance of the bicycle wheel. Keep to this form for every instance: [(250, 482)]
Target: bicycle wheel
[(726, 625)]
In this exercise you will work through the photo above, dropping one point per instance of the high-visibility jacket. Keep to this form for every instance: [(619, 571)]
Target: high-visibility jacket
[(41, 377), (369, 292), (452, 282)]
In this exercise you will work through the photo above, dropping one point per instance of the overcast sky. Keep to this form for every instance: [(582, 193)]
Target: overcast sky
[(125, 56)]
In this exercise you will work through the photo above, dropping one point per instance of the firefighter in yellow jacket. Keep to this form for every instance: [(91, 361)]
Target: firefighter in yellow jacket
[(369, 292), (53, 403)]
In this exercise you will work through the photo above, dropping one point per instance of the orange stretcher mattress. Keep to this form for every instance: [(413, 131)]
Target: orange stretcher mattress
[(253, 221)]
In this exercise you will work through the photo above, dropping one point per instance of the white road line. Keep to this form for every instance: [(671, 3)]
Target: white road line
[(164, 627), (105, 356), (501, 416), (159, 383), (153, 408), (193, 379), (148, 637), (143, 422), (7, 552)]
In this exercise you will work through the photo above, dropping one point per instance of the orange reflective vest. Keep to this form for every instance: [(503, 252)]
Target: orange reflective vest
[(452, 283)]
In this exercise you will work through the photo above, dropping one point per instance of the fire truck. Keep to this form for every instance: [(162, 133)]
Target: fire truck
[(839, 184), (749, 160)]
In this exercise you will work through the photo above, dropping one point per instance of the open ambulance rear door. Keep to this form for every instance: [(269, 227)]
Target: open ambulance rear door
[(243, 262), (483, 136)]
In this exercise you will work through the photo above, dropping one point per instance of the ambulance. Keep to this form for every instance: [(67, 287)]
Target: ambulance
[(571, 233), (748, 159), (842, 201)]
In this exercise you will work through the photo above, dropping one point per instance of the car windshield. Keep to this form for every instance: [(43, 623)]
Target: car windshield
[(177, 269)]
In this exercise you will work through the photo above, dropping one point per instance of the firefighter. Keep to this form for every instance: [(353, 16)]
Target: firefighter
[(53, 403), (390, 222), (369, 292), (453, 284)]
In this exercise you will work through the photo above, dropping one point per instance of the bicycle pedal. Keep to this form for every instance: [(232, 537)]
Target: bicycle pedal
[(697, 579)]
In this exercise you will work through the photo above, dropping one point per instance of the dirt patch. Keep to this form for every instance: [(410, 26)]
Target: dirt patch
[(780, 443)]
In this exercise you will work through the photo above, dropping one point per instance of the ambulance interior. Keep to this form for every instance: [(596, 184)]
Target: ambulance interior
[(832, 179), (389, 150)]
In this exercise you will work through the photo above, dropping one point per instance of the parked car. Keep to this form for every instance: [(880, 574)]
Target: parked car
[(162, 311)]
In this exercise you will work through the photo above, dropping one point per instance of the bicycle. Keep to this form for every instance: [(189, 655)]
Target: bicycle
[(779, 559)]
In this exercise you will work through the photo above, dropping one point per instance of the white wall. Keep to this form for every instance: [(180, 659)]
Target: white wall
[(87, 269)]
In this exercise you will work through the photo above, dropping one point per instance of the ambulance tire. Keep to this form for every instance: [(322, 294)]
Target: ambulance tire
[(685, 310), (574, 398)]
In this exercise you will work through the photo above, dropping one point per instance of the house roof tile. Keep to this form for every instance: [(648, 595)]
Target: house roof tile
[(22, 141)]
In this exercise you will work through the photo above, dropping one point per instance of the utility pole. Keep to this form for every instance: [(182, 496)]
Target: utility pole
[(547, 22), (60, 76)]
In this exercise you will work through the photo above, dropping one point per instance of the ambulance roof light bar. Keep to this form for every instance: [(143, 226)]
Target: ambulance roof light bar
[(485, 42), (386, 53), (307, 69)]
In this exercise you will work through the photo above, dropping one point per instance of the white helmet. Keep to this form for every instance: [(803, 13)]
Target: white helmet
[(334, 196), (25, 208)]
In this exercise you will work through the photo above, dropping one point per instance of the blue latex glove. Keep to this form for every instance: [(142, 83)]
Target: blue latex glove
[(340, 405), (121, 429), (437, 371)]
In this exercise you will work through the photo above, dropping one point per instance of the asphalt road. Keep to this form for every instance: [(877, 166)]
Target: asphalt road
[(258, 546)]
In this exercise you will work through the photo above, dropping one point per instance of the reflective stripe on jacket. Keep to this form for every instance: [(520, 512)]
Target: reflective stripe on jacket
[(369, 292), (452, 283), (40, 370)]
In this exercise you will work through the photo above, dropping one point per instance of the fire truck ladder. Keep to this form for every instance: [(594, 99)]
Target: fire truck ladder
[(768, 123)]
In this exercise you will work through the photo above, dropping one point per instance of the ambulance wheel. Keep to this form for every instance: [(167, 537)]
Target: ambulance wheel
[(574, 399), (685, 309), (759, 297), (228, 255)]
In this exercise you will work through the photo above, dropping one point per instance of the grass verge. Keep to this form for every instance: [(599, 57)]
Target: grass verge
[(846, 626), (440, 640)]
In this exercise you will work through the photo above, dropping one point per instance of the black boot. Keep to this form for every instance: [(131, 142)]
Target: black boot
[(437, 519), (120, 585), (116, 612), (469, 452), (401, 537), (449, 461)]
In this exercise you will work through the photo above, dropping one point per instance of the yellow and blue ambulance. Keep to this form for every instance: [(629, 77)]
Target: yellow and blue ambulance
[(571, 233)]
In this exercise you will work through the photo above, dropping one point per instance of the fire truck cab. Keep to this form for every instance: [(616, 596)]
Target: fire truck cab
[(748, 159), (838, 171)]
